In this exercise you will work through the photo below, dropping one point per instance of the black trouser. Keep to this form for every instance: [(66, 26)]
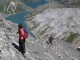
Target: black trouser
[(22, 45), (50, 41)]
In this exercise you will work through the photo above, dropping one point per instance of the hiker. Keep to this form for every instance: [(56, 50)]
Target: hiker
[(21, 39), (51, 39)]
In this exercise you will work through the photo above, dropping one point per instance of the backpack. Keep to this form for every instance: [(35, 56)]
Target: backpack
[(25, 34)]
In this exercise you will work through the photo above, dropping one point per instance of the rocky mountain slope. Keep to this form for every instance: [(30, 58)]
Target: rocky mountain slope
[(36, 49), (39, 9), (56, 4), (69, 2), (63, 23)]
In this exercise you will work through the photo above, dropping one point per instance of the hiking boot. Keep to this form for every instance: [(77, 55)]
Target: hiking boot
[(24, 54)]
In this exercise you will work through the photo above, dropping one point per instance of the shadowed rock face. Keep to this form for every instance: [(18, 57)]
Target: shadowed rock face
[(69, 2), (36, 49)]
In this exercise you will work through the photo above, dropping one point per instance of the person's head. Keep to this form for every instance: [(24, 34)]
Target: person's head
[(20, 26), (51, 35)]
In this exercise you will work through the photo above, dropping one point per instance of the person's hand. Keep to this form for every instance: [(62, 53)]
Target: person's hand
[(15, 34)]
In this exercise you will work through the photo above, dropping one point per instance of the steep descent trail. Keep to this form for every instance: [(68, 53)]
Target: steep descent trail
[(38, 48)]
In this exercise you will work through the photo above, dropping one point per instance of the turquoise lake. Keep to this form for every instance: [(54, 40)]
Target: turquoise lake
[(34, 5), (19, 17)]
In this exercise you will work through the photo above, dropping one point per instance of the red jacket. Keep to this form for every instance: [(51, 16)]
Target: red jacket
[(21, 36), (21, 33), (51, 38)]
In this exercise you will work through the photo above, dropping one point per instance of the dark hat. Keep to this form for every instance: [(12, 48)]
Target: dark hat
[(20, 25)]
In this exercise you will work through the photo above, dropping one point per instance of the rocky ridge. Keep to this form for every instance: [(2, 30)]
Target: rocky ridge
[(36, 49)]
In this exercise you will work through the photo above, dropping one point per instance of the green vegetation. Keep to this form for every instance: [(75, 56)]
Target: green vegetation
[(46, 35), (30, 19), (63, 38), (9, 11), (18, 8), (39, 59), (28, 16), (31, 15), (1, 8), (78, 3), (71, 37)]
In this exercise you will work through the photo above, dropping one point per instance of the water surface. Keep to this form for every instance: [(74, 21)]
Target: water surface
[(18, 18), (35, 4)]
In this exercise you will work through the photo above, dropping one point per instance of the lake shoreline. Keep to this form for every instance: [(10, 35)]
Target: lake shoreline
[(15, 13)]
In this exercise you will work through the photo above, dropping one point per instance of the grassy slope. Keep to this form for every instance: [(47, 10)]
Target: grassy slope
[(71, 37), (20, 7)]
